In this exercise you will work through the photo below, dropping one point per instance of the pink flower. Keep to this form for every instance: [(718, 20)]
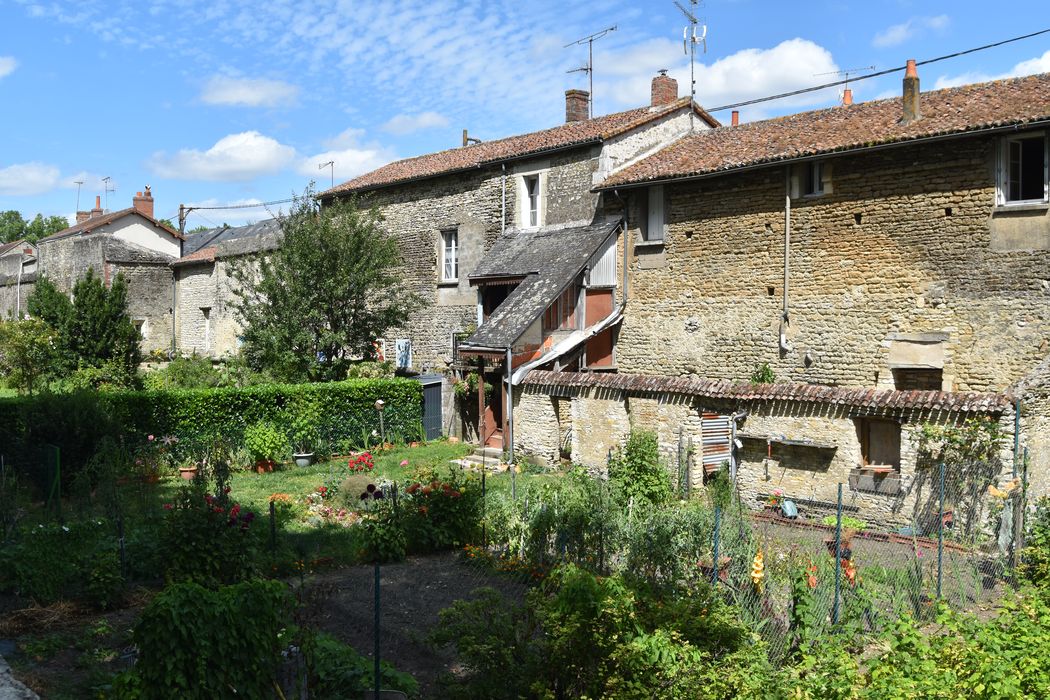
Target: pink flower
[(404, 463), (918, 552), (150, 438)]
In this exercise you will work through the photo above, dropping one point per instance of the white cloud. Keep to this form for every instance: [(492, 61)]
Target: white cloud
[(24, 179), (7, 65), (248, 92), (1039, 64), (351, 157), (408, 123), (236, 157), (746, 74), (897, 34)]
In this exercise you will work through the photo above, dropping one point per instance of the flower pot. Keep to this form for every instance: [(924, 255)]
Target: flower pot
[(263, 466), (303, 459), (188, 473)]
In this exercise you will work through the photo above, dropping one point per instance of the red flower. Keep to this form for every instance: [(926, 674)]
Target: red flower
[(168, 506), (235, 511), (413, 488)]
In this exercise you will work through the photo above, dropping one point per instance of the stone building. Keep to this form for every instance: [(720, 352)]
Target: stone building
[(205, 321), (497, 233), (128, 242), (17, 275)]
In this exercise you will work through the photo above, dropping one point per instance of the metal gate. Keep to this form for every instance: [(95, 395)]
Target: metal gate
[(431, 405), (717, 433)]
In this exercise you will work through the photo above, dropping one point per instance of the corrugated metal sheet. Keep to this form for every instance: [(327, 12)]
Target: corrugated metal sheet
[(716, 432), (603, 265)]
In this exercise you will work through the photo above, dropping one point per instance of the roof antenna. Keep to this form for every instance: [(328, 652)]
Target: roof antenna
[(845, 84), (105, 181), (331, 166), (78, 183), (589, 68), (690, 38)]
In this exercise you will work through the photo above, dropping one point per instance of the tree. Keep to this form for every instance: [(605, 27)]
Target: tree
[(48, 304), (27, 352), (324, 295), (13, 227)]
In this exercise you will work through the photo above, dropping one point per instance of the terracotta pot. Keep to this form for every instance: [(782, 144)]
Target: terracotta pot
[(188, 473), (414, 443), (264, 465)]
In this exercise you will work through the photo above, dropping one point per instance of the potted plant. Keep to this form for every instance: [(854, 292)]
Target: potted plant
[(304, 433), (188, 470), (265, 443)]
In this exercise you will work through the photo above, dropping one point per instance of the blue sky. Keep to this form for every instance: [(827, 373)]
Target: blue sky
[(230, 101)]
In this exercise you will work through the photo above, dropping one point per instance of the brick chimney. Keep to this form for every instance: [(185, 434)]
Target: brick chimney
[(665, 89), (83, 216), (735, 118), (577, 105), (847, 97), (911, 110), (143, 202), (97, 211)]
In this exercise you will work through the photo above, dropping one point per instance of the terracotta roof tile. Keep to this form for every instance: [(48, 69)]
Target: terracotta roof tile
[(562, 136), (206, 254), (90, 224), (944, 112), (875, 399)]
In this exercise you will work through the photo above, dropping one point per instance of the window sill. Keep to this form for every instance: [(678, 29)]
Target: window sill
[(875, 480), (448, 283), (648, 246), (1020, 207)]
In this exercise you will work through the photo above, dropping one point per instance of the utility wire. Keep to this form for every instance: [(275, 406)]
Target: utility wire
[(246, 206), (855, 79)]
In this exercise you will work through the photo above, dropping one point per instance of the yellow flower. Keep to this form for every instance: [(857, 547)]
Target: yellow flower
[(758, 571)]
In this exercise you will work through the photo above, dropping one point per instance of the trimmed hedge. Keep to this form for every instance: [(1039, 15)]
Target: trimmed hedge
[(77, 422)]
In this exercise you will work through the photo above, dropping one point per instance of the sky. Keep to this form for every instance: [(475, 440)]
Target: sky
[(222, 102)]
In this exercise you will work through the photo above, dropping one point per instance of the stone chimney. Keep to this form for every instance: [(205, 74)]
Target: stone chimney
[(665, 89), (143, 202), (577, 105), (911, 110), (83, 216), (735, 119), (847, 97)]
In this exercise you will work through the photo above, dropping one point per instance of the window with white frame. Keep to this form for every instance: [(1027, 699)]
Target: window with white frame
[(653, 214), (531, 211), (1023, 169), (449, 255), (813, 178)]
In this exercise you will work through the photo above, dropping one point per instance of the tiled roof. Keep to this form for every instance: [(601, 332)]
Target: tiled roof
[(548, 259), (221, 234), (873, 399), (7, 247), (944, 112), (91, 224), (206, 254), (477, 155)]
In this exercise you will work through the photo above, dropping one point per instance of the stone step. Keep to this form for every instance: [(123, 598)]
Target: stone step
[(488, 452), (475, 463)]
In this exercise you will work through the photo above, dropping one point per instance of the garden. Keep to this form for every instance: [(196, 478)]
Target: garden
[(167, 544)]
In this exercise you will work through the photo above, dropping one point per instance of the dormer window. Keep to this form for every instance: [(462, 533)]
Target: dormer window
[(1023, 170)]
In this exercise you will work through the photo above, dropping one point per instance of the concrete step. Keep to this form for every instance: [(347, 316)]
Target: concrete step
[(489, 453), (476, 464)]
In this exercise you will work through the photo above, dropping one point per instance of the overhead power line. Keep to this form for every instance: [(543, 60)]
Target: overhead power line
[(246, 206), (887, 71)]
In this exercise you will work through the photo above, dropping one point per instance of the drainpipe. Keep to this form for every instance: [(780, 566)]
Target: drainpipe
[(503, 202), (510, 410), (785, 346)]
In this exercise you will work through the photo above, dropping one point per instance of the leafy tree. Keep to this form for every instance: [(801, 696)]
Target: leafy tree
[(49, 304), (27, 352), (320, 299), (13, 227)]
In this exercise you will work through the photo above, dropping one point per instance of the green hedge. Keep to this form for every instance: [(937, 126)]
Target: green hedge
[(77, 422)]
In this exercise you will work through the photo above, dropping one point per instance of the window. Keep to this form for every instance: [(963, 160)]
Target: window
[(912, 379), (449, 256), (140, 326), (1023, 171), (813, 179), (561, 315), (880, 443), (532, 201), (206, 313), (653, 214)]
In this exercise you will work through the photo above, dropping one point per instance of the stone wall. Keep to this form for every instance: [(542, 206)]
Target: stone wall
[(206, 285), (601, 420), (902, 244), (150, 299)]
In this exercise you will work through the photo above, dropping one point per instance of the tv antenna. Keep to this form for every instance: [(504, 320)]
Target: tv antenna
[(589, 68), (105, 182), (690, 38), (846, 75), (78, 183), (331, 166)]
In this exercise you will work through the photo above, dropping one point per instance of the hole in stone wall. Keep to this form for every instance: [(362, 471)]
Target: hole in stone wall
[(769, 228), (947, 211), (770, 291), (858, 217), (689, 233)]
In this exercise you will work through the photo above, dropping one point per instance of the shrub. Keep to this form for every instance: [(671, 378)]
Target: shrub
[(184, 372), (336, 671), (264, 441), (442, 513), (638, 471), (200, 643)]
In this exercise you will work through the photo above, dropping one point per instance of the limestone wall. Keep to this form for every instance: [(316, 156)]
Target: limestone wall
[(206, 286), (904, 243)]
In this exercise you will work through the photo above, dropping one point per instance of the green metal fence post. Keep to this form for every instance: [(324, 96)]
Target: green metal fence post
[(376, 631), (838, 559), (714, 557), (940, 528)]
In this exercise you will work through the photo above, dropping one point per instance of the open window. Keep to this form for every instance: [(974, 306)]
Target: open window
[(1023, 177), (918, 379), (880, 443), (450, 256), (531, 208), (561, 315), (813, 179)]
